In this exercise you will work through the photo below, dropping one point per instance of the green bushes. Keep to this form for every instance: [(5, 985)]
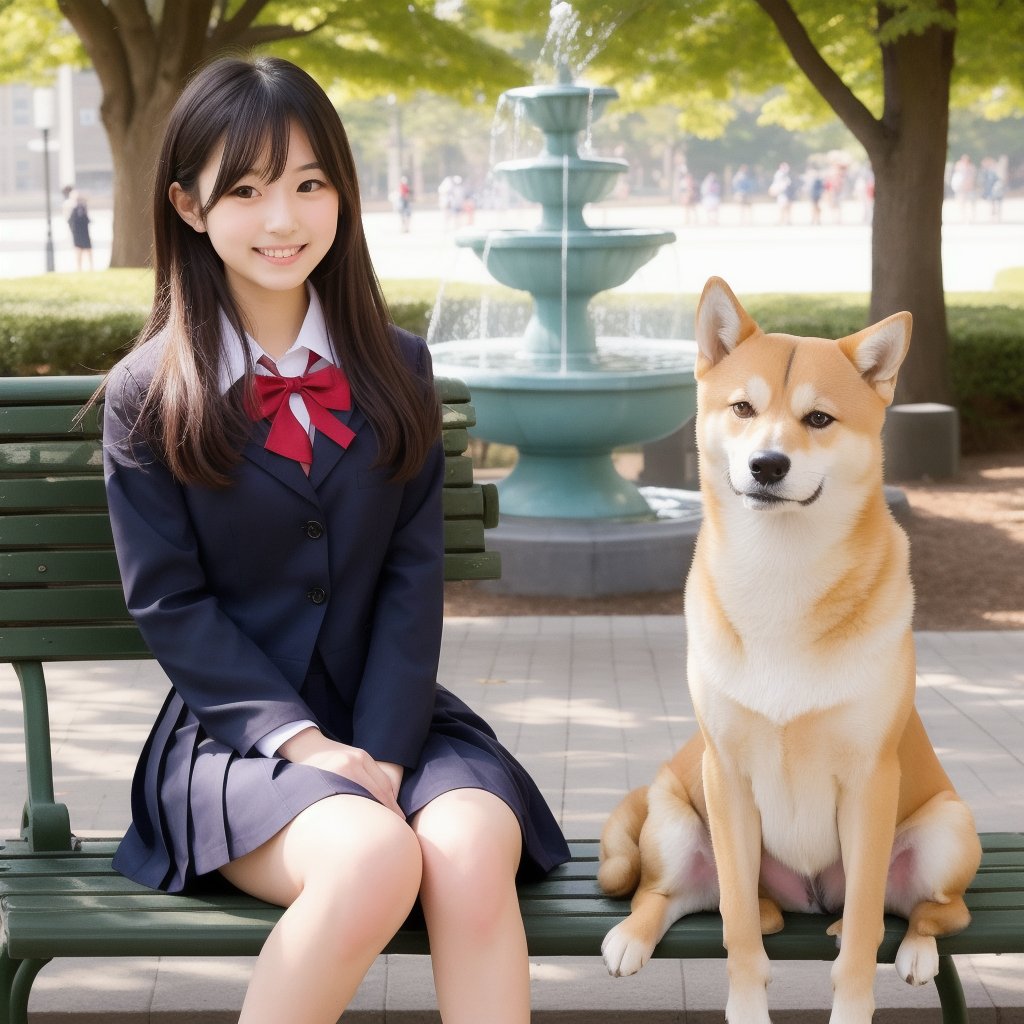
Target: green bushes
[(82, 323), (71, 323)]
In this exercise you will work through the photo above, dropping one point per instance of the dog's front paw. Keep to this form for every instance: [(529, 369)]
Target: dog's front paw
[(623, 952), (748, 1007), (917, 960)]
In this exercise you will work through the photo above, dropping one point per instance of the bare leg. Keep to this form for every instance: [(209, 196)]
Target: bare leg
[(471, 845), (348, 871)]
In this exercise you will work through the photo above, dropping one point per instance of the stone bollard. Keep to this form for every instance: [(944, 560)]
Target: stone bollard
[(672, 461), (922, 441)]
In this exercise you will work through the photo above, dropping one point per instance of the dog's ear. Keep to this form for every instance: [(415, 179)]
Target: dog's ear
[(721, 324), (878, 352)]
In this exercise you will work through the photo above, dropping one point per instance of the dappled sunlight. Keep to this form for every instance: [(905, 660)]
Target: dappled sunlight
[(579, 710)]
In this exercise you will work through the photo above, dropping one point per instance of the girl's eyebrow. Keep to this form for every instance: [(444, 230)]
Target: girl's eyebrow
[(314, 166)]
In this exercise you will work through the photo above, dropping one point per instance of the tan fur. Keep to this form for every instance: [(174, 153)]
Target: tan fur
[(811, 784)]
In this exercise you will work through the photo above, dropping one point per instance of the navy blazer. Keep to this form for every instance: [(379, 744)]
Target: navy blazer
[(234, 588)]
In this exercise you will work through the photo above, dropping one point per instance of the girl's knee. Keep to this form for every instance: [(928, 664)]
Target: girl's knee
[(359, 842), (471, 844)]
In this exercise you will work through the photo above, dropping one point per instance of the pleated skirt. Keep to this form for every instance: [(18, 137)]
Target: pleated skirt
[(197, 804)]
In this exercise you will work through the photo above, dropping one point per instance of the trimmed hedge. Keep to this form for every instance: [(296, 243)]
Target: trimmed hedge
[(82, 323)]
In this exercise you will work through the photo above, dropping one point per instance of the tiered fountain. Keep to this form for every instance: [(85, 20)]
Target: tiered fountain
[(563, 397)]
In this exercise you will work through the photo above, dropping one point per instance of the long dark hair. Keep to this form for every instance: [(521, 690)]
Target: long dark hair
[(250, 106)]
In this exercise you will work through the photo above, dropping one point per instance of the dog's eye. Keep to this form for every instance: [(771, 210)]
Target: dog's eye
[(818, 419), (743, 409)]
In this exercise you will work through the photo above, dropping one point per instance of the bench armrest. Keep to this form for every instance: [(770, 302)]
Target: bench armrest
[(45, 824)]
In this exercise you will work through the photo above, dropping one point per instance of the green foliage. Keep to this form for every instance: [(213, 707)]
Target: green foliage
[(71, 323), (82, 323), (391, 47)]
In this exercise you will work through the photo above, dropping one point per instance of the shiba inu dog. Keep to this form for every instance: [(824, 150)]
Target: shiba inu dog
[(812, 785)]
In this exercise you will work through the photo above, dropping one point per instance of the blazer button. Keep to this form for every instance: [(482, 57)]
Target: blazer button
[(317, 595), (314, 530)]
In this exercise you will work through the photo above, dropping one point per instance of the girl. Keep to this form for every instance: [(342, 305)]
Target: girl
[(274, 470)]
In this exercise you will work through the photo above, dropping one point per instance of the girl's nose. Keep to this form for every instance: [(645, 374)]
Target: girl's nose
[(280, 217)]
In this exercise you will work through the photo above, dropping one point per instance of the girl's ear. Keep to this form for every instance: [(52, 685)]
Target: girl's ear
[(187, 206), (721, 324)]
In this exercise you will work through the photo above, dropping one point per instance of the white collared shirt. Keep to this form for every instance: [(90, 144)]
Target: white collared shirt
[(312, 337)]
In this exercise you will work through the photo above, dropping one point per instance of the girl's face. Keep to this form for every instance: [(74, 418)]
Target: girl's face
[(269, 234)]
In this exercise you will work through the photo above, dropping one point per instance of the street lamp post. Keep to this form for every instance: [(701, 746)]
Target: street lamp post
[(43, 110)]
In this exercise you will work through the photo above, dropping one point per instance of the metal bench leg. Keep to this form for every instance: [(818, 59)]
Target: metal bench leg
[(951, 993), (22, 987), (8, 969)]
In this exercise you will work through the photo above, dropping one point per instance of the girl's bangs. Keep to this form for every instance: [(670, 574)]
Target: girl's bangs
[(255, 142)]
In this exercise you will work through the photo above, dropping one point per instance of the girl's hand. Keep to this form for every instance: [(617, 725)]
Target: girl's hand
[(394, 772), (313, 748)]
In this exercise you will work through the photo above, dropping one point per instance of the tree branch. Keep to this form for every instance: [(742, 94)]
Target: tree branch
[(819, 72), (258, 35), (184, 33), (229, 33), (96, 26), (139, 42)]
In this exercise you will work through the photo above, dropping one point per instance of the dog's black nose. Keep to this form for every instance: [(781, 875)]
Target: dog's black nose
[(768, 467)]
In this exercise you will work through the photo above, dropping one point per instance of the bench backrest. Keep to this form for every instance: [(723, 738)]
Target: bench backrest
[(60, 592)]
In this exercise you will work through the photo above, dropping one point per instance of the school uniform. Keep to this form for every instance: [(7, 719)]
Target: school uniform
[(283, 599)]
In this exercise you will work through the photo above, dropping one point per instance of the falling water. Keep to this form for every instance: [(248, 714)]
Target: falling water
[(485, 301), (565, 263), (435, 315), (562, 49), (588, 137), (497, 127)]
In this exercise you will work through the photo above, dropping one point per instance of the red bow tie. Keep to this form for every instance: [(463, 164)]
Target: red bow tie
[(321, 391)]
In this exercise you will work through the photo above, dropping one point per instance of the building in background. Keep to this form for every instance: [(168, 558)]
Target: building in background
[(80, 155)]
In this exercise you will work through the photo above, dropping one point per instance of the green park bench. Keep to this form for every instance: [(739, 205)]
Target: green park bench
[(60, 600)]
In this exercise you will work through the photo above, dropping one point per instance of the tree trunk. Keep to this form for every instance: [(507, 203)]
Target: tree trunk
[(135, 147), (906, 246)]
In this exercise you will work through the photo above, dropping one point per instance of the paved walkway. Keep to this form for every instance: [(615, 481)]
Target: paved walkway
[(591, 705), (759, 256)]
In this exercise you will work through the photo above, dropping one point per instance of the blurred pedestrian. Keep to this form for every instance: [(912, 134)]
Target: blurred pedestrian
[(78, 221)]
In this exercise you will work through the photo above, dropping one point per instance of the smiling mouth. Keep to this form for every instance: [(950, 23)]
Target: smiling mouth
[(281, 254)]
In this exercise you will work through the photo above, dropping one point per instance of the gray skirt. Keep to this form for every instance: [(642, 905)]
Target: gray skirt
[(197, 804)]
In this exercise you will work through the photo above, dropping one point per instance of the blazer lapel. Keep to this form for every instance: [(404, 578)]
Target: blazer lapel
[(288, 471), (327, 453)]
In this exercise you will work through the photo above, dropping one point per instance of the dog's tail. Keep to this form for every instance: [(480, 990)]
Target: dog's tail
[(619, 873)]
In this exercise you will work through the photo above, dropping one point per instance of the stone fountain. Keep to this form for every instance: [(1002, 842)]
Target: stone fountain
[(565, 398)]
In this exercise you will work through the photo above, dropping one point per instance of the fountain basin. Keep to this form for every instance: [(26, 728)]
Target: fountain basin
[(566, 415), (551, 180), (564, 108), (595, 258)]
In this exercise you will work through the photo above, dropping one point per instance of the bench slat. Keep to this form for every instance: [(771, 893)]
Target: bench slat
[(59, 529), (460, 535), (475, 565), (71, 643), (70, 390), (48, 420), (59, 604), (49, 567), (40, 494), (463, 501), (458, 471)]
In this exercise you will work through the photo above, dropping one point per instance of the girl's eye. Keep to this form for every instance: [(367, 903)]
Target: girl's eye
[(313, 185), (818, 419), (244, 192), (743, 409)]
